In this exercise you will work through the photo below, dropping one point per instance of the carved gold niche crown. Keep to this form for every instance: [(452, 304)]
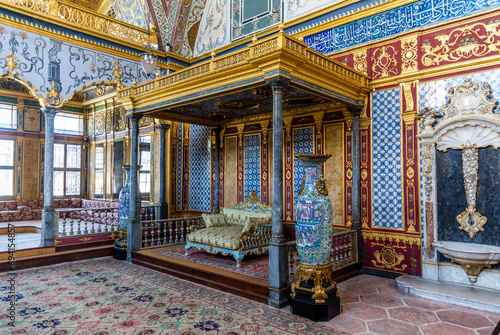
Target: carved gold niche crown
[(469, 98)]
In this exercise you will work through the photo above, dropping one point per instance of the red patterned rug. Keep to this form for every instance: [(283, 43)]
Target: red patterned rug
[(110, 297), (253, 266)]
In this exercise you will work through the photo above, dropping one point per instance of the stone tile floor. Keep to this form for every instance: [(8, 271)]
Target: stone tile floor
[(374, 305)]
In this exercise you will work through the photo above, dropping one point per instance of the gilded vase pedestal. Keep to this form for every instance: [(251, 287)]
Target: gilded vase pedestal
[(314, 294)]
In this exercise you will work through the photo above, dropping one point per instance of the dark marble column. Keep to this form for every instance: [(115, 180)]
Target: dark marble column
[(356, 168), (49, 228), (133, 227), (162, 210), (278, 250), (217, 171), (356, 176)]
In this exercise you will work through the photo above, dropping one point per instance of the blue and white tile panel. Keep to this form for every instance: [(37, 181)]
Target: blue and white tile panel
[(199, 169), (303, 144), (252, 164), (387, 178)]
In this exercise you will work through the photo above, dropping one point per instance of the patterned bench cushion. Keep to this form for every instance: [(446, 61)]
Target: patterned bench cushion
[(227, 237)]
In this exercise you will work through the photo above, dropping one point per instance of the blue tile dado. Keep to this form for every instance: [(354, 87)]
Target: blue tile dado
[(179, 167), (252, 164), (387, 182), (303, 144), (199, 169), (416, 15)]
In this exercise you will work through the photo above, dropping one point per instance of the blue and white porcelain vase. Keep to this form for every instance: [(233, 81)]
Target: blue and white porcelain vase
[(313, 214), (124, 199)]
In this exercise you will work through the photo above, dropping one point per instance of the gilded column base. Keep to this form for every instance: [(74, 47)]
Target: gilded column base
[(120, 239), (120, 249), (321, 278)]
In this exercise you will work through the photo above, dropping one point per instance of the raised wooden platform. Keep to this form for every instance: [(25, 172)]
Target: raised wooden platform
[(223, 280), (227, 281), (30, 258)]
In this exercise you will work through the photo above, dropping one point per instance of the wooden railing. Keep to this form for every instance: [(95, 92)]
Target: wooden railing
[(88, 221), (159, 233), (344, 251)]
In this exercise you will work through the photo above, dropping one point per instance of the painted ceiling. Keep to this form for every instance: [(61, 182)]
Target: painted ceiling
[(177, 21)]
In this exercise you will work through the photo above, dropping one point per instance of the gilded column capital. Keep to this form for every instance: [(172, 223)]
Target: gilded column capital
[(318, 120), (222, 131), (287, 121), (240, 128)]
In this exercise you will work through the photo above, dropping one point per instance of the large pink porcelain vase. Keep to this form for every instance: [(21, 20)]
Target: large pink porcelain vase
[(313, 214)]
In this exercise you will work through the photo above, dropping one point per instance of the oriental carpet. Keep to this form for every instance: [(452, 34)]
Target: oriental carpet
[(106, 297)]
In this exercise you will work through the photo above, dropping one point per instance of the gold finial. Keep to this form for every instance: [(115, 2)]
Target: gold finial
[(212, 54), (11, 63), (281, 27), (301, 38), (117, 73), (157, 73), (152, 26), (254, 38), (134, 82), (53, 98)]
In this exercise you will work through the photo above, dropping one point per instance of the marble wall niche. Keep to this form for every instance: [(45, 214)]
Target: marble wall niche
[(451, 199)]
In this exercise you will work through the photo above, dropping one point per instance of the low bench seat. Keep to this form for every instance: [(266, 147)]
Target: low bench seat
[(245, 229)]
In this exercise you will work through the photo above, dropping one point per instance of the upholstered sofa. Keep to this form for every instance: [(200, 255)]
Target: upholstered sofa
[(245, 229), (21, 210)]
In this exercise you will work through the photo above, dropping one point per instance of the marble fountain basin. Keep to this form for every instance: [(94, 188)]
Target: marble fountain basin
[(471, 256)]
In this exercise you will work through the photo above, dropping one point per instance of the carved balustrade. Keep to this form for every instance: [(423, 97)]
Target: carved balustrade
[(159, 233), (273, 44), (88, 221)]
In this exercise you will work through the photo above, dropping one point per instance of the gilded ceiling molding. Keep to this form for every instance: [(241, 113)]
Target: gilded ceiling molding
[(81, 19)]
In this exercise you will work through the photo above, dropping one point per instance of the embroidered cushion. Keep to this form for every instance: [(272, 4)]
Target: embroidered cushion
[(250, 225), (214, 220)]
